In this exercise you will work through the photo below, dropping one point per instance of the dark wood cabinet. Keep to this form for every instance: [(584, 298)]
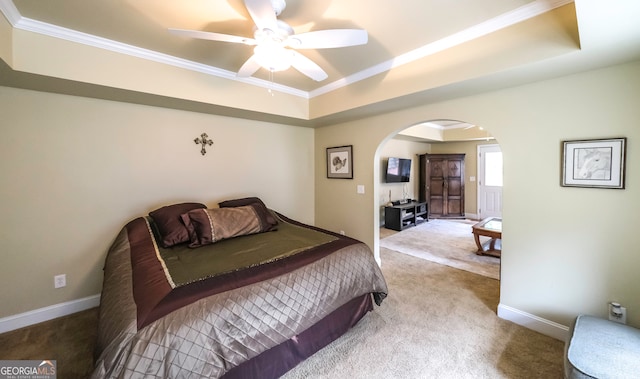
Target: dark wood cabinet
[(399, 217), (442, 184)]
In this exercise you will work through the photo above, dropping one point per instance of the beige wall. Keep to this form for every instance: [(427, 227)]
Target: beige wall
[(59, 58), (565, 250), (75, 170), (400, 149), (6, 43)]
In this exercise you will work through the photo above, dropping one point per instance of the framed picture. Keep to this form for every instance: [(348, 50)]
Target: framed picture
[(340, 162), (595, 163)]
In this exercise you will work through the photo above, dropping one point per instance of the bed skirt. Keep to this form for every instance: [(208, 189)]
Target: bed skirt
[(276, 361)]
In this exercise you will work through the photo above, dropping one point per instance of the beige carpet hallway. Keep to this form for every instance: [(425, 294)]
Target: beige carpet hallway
[(437, 322), (448, 242)]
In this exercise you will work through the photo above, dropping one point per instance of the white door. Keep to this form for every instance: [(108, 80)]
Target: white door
[(489, 181)]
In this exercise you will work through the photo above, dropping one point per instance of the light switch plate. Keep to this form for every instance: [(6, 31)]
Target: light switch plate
[(360, 188)]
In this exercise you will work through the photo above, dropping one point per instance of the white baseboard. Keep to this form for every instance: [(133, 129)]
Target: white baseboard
[(533, 322), (36, 316)]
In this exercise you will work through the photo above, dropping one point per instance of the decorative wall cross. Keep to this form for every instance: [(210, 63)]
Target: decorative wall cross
[(202, 140)]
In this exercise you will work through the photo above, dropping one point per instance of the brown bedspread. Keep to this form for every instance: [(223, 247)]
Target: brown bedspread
[(166, 279), (218, 323)]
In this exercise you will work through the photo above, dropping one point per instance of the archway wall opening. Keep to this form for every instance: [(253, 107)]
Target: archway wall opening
[(440, 136), (557, 262)]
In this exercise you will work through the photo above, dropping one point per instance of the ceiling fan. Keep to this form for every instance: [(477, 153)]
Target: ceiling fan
[(276, 42)]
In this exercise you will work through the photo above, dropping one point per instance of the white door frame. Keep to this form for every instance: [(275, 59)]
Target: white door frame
[(480, 178)]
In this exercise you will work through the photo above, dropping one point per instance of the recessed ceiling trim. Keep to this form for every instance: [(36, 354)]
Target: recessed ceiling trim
[(505, 20), (35, 26), (433, 125), (520, 14), (447, 124), (10, 12)]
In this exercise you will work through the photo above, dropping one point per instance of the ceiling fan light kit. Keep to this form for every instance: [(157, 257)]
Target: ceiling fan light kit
[(275, 41), (272, 57)]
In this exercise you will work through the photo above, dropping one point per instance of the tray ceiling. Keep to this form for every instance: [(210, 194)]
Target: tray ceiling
[(414, 46)]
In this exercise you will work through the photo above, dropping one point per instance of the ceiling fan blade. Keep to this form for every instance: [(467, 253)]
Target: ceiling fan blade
[(325, 39), (212, 36), (249, 67), (262, 13), (308, 67)]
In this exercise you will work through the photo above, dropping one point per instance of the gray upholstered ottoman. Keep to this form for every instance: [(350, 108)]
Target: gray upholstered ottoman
[(601, 349)]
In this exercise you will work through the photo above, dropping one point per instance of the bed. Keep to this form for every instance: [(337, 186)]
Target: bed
[(238, 291)]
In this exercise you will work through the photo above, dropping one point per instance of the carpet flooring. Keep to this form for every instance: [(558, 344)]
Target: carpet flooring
[(69, 340), (437, 322), (448, 242)]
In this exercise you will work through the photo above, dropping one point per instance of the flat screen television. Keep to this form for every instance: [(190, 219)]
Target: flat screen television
[(398, 170)]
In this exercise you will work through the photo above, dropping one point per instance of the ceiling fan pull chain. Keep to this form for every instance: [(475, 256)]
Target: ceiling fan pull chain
[(271, 80)]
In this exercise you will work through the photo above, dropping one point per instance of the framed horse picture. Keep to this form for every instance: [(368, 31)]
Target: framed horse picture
[(594, 163)]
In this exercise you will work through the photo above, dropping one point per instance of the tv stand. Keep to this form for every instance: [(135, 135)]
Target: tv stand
[(402, 216)]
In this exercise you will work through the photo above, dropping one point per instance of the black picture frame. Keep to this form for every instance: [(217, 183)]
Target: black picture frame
[(340, 162)]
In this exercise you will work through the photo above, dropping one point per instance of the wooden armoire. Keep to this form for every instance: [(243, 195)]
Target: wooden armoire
[(442, 184)]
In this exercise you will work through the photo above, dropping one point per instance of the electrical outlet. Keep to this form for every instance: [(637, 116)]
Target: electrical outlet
[(617, 313), (60, 281)]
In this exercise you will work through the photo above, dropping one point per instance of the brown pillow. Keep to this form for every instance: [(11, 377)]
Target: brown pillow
[(240, 202), (169, 224), (258, 205), (207, 226)]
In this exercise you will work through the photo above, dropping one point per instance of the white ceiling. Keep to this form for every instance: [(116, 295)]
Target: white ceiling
[(408, 38)]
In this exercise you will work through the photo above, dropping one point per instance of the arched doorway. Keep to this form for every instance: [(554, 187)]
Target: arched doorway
[(436, 137)]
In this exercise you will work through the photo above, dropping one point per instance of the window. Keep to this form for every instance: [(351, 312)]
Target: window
[(493, 169)]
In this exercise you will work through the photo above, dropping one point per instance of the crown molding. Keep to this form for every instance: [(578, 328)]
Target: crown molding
[(520, 14), (35, 26), (10, 12), (523, 13)]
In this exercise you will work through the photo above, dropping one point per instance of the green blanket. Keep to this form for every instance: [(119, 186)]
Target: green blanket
[(186, 265)]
